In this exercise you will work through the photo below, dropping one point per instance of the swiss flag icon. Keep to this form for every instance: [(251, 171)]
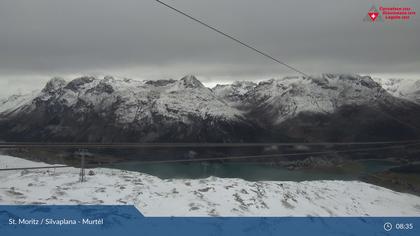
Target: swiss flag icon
[(373, 15)]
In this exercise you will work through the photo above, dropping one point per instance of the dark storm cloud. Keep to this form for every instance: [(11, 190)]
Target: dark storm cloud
[(142, 38)]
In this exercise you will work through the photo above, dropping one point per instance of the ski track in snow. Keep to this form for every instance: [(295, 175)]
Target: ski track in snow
[(200, 197)]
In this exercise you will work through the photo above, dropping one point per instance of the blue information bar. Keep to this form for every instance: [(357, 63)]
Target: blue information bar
[(102, 220)]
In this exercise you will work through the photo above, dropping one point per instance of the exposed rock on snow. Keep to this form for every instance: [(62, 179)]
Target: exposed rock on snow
[(234, 94), (201, 197)]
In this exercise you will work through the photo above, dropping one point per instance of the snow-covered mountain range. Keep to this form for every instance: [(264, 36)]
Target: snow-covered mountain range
[(108, 109), (327, 107)]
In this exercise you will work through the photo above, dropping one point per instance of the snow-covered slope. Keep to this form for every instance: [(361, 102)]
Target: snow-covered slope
[(235, 93), (287, 97), (403, 88), (15, 102), (201, 197)]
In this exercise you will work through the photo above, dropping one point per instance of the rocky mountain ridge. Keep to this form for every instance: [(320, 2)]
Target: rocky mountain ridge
[(316, 108)]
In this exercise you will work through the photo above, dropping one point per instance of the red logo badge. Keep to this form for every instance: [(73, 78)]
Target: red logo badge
[(373, 15)]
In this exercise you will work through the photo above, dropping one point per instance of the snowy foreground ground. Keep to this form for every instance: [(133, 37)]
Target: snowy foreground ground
[(200, 197)]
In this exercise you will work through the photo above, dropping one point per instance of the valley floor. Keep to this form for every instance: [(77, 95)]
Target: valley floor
[(200, 197)]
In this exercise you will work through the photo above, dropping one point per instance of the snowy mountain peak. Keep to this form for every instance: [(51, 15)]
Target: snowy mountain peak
[(365, 81), (190, 81), (161, 82), (403, 88), (244, 84), (54, 84), (79, 83), (234, 93), (108, 78), (241, 87)]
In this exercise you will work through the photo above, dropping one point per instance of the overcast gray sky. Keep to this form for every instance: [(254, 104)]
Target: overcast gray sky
[(142, 39)]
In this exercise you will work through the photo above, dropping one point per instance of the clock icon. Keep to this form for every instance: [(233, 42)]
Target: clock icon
[(387, 226)]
